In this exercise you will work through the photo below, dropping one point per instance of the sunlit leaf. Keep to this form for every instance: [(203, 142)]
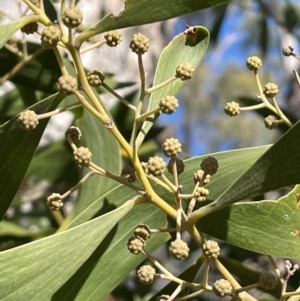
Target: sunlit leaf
[(181, 49), (267, 227), (138, 12)]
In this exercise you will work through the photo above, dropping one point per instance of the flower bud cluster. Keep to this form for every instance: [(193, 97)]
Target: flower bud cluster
[(179, 249)]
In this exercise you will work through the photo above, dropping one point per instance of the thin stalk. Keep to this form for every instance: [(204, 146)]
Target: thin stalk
[(247, 288), (57, 215), (297, 77), (274, 265), (169, 183), (75, 187), (290, 294), (95, 45), (122, 99), (166, 82), (57, 111), (192, 295), (121, 180), (254, 107), (139, 105), (280, 113), (61, 64), (145, 115), (205, 275)]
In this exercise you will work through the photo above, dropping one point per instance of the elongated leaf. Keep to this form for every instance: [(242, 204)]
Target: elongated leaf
[(181, 49), (11, 229), (267, 227), (93, 281), (276, 168), (7, 30), (17, 150), (138, 12), (30, 269)]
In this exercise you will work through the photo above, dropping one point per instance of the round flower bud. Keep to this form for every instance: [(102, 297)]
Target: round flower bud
[(171, 147), (271, 122), (135, 245), (156, 166), (267, 280), (200, 194), (74, 133), (287, 50), (139, 43), (198, 175), (146, 274), (142, 231), (211, 249), (179, 166), (67, 84), (72, 17), (28, 120), (253, 63), (232, 108), (128, 173), (54, 202), (270, 90), (50, 36), (209, 165), (222, 288), (113, 38), (168, 104), (30, 28), (95, 78), (179, 249), (185, 71), (82, 156)]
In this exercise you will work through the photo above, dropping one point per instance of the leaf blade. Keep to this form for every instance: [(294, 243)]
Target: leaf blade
[(30, 268), (181, 49)]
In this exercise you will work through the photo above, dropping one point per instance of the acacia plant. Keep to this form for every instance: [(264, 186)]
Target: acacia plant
[(119, 209)]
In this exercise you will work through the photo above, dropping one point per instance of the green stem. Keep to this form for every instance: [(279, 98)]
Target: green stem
[(139, 105), (280, 113), (122, 99), (205, 274), (95, 45), (57, 215), (118, 179), (75, 187), (247, 288), (166, 82), (254, 107), (169, 183), (145, 115), (297, 77), (290, 294), (61, 64), (57, 111), (274, 108)]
